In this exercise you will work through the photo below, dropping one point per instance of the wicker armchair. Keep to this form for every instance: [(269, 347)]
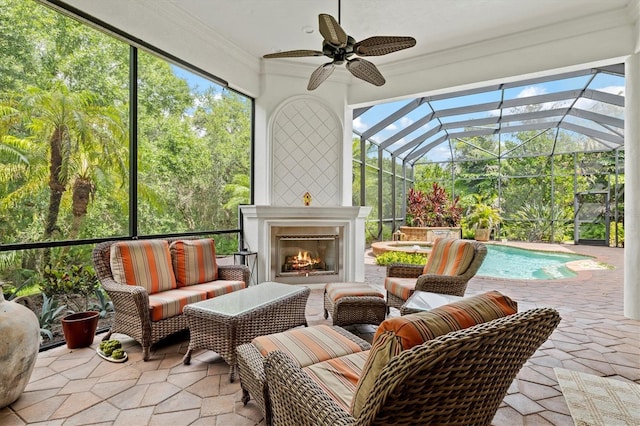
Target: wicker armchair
[(455, 285), (457, 378), (131, 303)]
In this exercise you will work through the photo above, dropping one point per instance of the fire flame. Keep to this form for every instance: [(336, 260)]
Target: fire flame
[(304, 260)]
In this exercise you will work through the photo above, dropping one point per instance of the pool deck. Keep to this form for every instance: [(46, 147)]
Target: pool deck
[(76, 387)]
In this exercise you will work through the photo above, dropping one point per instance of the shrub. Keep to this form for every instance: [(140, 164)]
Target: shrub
[(104, 305), (400, 257), (72, 283), (432, 209), (612, 234), (49, 315)]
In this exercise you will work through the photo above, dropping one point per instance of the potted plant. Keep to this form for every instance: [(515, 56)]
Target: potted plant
[(483, 218), (433, 209), (74, 284)]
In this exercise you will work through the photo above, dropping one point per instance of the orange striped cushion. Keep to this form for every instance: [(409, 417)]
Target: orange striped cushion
[(308, 345), (146, 263), (216, 288), (170, 303), (400, 287), (337, 290), (415, 329), (194, 261), (402, 333), (338, 377), (449, 257)]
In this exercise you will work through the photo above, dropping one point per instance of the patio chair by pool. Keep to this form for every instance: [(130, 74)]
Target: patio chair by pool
[(450, 266)]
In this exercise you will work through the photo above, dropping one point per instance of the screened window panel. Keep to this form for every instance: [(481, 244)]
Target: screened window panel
[(64, 171), (189, 163), (371, 191)]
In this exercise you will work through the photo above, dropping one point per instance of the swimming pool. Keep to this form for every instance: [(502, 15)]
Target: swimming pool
[(514, 263)]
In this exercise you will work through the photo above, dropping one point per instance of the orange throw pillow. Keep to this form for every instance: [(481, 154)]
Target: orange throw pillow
[(194, 261), (449, 257), (146, 263)]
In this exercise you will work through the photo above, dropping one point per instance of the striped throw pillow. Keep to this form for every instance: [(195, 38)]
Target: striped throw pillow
[(145, 263), (385, 347), (194, 261), (415, 329), (402, 333), (449, 257)]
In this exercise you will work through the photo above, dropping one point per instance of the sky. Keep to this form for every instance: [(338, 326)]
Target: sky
[(602, 82)]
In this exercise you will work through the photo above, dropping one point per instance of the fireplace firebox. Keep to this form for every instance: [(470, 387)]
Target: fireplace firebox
[(307, 255)]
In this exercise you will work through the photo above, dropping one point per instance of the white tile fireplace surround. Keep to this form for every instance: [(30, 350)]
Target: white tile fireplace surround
[(263, 225)]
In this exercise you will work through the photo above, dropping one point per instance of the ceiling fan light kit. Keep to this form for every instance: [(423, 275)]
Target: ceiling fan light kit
[(340, 48)]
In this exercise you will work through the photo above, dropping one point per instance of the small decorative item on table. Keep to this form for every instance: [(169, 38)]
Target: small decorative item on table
[(111, 350), (306, 199)]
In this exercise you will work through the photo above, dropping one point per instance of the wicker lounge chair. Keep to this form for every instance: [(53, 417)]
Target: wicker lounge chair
[(131, 302), (403, 279), (457, 378)]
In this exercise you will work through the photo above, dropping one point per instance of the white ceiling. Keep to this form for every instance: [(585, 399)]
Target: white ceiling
[(258, 27), (459, 42)]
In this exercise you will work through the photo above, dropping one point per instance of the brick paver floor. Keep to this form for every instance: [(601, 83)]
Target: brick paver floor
[(76, 387)]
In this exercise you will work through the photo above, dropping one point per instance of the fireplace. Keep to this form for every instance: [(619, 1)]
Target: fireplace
[(282, 235), (305, 252)]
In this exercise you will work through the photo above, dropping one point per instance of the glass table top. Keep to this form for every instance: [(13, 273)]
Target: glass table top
[(241, 301), (425, 301)]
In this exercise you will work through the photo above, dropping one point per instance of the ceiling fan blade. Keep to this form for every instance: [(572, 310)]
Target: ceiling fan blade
[(381, 45), (293, 54), (319, 75), (331, 30), (366, 71)]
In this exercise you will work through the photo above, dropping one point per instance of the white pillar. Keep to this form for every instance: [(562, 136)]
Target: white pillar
[(632, 187)]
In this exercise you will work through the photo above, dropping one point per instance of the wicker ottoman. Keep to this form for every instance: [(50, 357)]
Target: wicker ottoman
[(354, 303), (306, 346)]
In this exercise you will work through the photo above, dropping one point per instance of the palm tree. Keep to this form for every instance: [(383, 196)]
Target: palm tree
[(239, 191), (81, 136)]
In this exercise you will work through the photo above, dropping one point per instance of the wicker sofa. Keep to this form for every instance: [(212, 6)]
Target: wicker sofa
[(450, 266), (458, 376), (150, 282)]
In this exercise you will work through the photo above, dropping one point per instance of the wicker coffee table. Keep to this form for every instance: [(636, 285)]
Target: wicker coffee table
[(225, 322)]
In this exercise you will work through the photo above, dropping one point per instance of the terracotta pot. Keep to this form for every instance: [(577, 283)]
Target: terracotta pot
[(19, 346), (80, 329)]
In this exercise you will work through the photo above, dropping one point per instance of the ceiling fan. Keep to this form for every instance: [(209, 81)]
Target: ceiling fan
[(341, 48)]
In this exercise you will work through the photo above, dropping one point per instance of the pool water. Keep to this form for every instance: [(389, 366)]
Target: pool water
[(515, 263)]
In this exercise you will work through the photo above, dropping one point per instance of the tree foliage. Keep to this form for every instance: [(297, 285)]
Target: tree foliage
[(65, 142)]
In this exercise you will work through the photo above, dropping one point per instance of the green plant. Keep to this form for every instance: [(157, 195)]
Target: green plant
[(117, 353), (612, 234), (400, 257), (28, 287), (72, 283), (109, 346), (104, 305), (533, 222), (432, 209), (50, 314), (483, 216)]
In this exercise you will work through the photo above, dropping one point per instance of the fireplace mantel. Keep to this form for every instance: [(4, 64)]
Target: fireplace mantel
[(259, 219)]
